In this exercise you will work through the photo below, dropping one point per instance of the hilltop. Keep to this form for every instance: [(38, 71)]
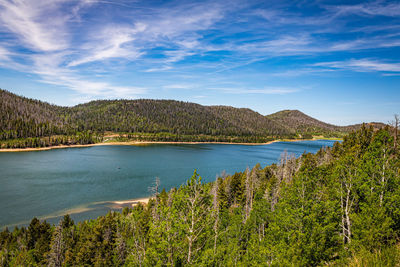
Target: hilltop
[(304, 124)]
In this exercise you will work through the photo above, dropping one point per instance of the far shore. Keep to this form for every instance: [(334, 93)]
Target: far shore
[(138, 143)]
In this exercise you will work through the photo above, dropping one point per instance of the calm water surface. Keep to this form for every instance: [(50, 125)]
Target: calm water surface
[(85, 181)]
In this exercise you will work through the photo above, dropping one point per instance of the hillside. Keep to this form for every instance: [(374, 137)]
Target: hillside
[(24, 117), (338, 207), (146, 119), (146, 115), (304, 124)]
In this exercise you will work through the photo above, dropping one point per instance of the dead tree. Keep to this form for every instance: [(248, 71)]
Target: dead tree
[(56, 255), (284, 172), (154, 191), (395, 125), (193, 214), (250, 185), (348, 175), (215, 211), (248, 195), (138, 250)]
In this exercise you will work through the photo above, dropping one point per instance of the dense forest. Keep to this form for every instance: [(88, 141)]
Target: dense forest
[(31, 123), (306, 125), (340, 206)]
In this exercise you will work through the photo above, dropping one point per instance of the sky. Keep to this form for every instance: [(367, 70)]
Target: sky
[(336, 61)]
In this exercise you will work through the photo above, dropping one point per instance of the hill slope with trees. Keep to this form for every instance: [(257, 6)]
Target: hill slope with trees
[(338, 207), (32, 123), (304, 124)]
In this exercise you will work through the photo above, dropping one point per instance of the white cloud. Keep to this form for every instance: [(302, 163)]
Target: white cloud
[(4, 54), (362, 65), (161, 69), (113, 42), (48, 68), (280, 17), (38, 24), (88, 88), (53, 39), (300, 72), (179, 86), (43, 27), (172, 22), (304, 44), (265, 90), (377, 8)]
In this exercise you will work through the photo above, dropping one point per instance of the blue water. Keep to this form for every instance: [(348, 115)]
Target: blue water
[(85, 181)]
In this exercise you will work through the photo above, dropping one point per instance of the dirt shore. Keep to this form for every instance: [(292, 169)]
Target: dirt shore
[(138, 143)]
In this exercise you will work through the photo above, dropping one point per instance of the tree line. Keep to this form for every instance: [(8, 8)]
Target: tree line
[(79, 138)]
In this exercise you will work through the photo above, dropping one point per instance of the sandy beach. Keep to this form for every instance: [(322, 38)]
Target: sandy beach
[(138, 143), (132, 202), (119, 204), (114, 205)]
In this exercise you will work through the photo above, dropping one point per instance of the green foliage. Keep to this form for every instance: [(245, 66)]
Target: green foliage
[(80, 138), (339, 207), (31, 123), (306, 127), (388, 256)]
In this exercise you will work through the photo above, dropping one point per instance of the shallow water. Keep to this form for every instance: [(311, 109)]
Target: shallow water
[(85, 181)]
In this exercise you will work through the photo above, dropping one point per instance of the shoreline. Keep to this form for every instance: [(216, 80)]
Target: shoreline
[(132, 202), (138, 143), (112, 205)]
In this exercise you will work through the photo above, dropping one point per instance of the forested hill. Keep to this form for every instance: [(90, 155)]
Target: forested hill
[(145, 115), (22, 117), (339, 207), (303, 123), (164, 120)]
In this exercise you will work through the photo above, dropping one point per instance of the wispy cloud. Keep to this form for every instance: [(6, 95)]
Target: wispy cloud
[(47, 67), (46, 29), (112, 42), (300, 72), (62, 41), (362, 65), (38, 24), (43, 28), (4, 54), (265, 90), (390, 9), (179, 86), (160, 69)]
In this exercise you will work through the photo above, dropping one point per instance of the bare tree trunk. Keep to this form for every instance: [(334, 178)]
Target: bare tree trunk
[(347, 213), (214, 192), (346, 203), (56, 256), (139, 242), (191, 228), (342, 213), (249, 190), (168, 228), (396, 127), (193, 215), (154, 191), (383, 182), (284, 173)]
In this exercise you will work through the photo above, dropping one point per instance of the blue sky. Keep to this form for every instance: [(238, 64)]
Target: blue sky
[(336, 61)]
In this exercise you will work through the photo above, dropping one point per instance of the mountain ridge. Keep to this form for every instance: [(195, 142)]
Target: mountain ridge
[(23, 117)]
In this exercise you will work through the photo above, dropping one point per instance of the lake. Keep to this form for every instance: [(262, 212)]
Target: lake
[(84, 182)]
